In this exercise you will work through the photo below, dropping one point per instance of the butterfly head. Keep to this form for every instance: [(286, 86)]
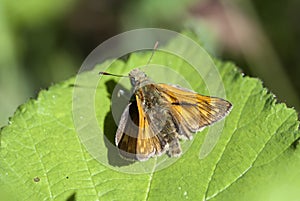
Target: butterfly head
[(138, 78)]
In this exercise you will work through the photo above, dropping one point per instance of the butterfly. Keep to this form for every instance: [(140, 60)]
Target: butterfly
[(160, 115)]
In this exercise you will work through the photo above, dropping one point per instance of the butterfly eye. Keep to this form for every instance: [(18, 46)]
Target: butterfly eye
[(133, 81)]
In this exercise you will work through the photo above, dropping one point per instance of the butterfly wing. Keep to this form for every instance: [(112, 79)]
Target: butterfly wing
[(135, 137), (192, 111)]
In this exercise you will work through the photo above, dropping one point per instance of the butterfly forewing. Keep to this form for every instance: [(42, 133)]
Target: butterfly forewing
[(193, 111), (135, 138)]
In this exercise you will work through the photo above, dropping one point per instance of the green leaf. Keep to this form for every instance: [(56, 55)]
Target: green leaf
[(43, 158)]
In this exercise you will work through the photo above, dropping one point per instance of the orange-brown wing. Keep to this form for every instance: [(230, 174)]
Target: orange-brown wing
[(135, 138), (193, 111)]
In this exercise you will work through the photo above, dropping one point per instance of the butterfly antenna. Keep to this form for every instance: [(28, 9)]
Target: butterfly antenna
[(153, 51), (154, 48), (105, 73)]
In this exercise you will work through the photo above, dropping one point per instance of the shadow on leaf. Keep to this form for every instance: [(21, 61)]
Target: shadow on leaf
[(72, 197)]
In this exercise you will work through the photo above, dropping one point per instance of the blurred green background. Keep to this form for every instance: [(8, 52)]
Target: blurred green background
[(44, 42)]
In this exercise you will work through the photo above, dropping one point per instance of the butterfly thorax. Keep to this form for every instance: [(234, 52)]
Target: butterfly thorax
[(145, 90)]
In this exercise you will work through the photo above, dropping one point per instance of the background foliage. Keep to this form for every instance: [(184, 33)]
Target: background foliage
[(45, 42)]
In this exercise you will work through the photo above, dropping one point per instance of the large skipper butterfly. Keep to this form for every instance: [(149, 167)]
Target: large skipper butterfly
[(160, 114)]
